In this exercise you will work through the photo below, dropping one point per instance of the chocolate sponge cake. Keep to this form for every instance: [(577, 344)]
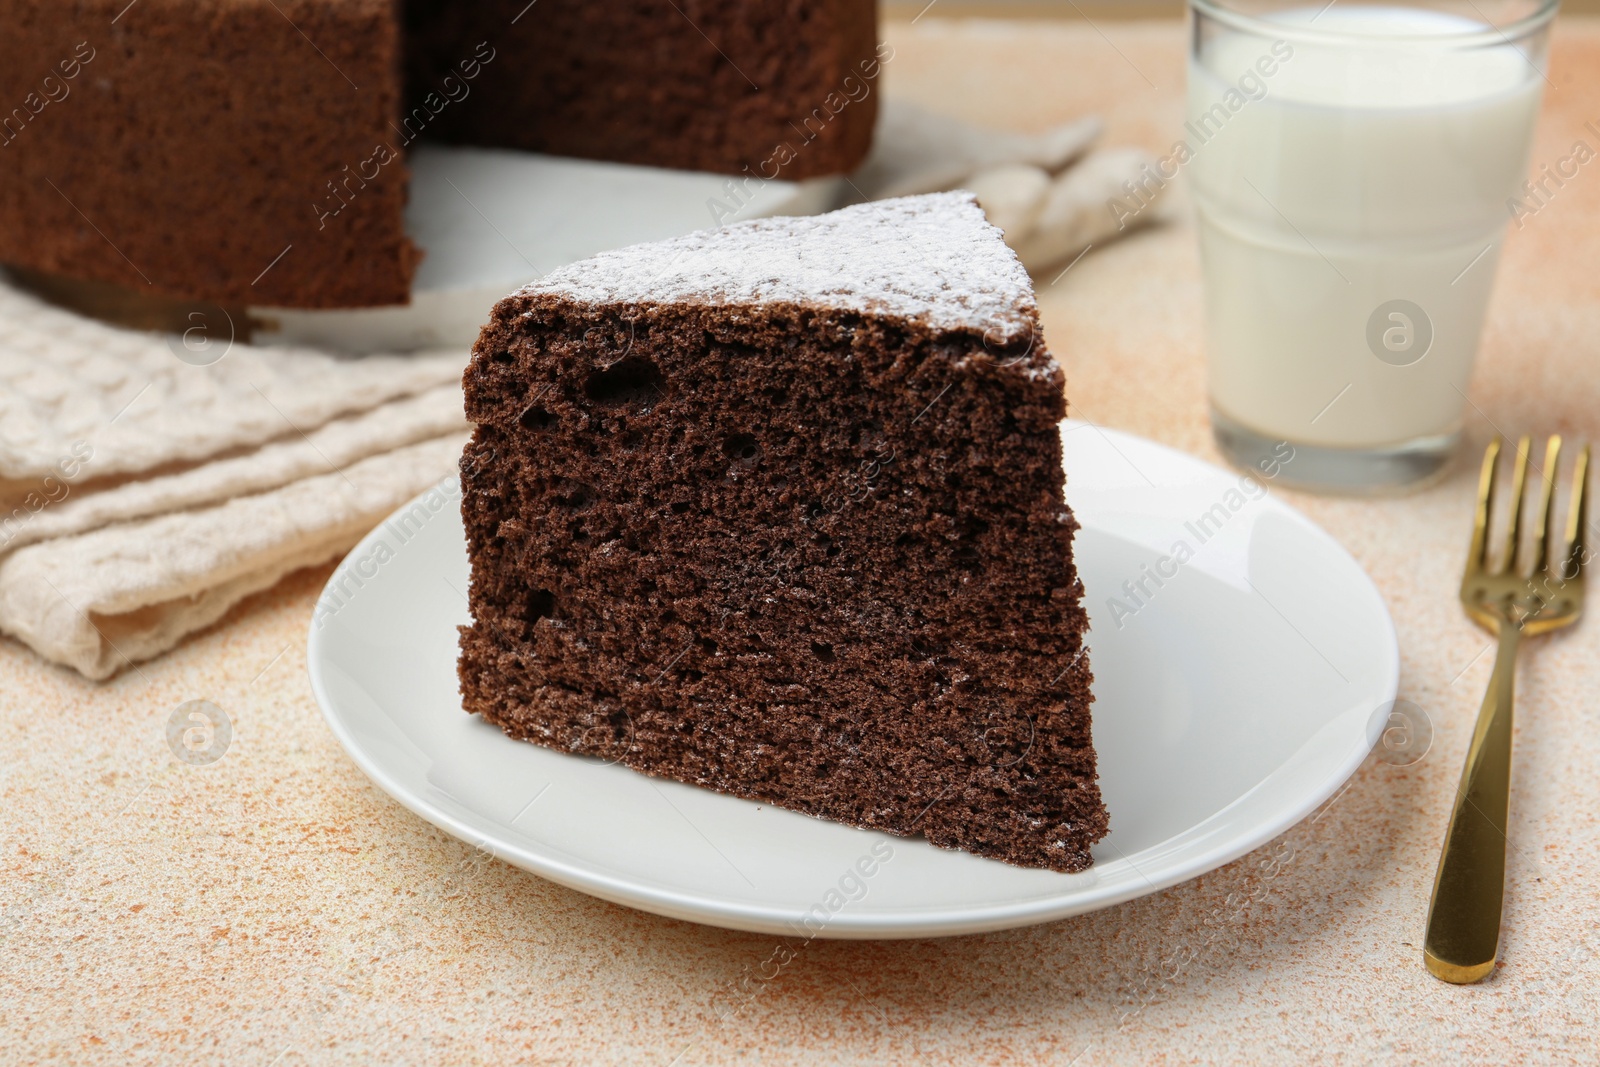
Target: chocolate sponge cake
[(774, 89), (253, 152), (777, 509), (181, 148)]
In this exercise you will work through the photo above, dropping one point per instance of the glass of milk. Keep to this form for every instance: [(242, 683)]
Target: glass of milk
[(1352, 166)]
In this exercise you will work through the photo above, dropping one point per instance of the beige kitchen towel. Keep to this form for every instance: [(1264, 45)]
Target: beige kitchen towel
[(67, 381), (63, 508), (127, 592), (1088, 204), (915, 150)]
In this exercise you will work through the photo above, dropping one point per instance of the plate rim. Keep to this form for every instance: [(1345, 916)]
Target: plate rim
[(941, 921)]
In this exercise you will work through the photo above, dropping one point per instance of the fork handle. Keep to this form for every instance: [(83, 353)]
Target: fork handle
[(1464, 919)]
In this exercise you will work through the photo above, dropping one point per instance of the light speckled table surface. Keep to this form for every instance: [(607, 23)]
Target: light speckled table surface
[(277, 908)]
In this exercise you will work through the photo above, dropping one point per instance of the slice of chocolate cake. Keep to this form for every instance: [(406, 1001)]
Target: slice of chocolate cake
[(777, 509)]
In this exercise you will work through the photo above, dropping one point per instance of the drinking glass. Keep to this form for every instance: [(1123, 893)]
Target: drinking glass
[(1354, 169)]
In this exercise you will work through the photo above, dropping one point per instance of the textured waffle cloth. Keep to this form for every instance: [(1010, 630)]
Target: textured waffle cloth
[(141, 496)]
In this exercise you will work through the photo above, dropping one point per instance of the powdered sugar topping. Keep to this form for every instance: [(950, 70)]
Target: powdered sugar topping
[(931, 259)]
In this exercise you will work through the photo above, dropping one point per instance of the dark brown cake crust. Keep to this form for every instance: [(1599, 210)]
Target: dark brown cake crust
[(188, 148), (717, 85), (814, 558)]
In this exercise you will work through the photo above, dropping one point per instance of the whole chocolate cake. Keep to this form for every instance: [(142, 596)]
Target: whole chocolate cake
[(777, 88), (253, 151), (777, 509)]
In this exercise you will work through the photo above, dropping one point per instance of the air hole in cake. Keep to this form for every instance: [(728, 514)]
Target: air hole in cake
[(1013, 351), (536, 419), (681, 507), (541, 605), (632, 383), (823, 651), (742, 449), (866, 433)]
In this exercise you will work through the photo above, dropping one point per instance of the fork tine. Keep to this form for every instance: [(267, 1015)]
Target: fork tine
[(1544, 534), (1478, 554), (1519, 482), (1578, 518)]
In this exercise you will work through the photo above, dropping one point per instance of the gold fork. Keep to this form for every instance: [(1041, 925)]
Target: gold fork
[(1464, 919)]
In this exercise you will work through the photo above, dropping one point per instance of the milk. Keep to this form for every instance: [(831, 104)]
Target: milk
[(1351, 217)]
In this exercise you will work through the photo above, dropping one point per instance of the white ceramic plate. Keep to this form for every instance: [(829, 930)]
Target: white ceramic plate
[(490, 220), (1228, 704)]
